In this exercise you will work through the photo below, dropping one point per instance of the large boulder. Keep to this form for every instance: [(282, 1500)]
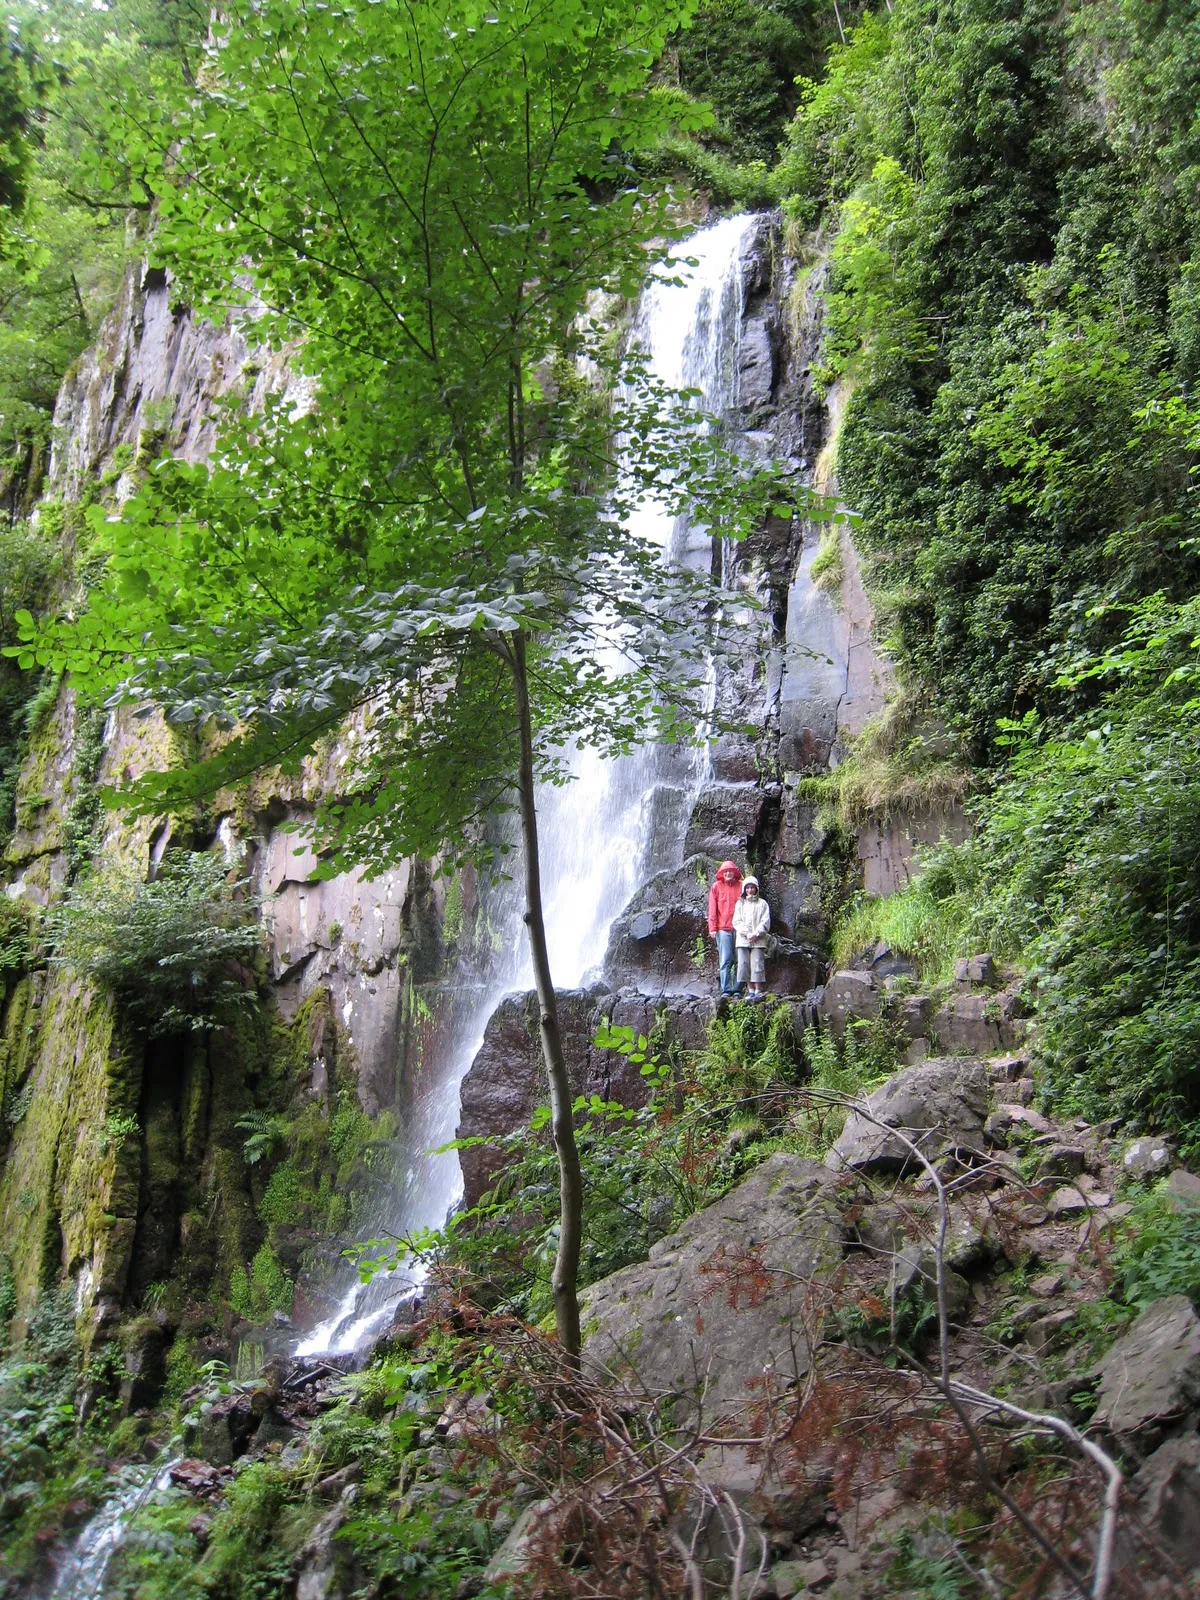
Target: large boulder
[(655, 941), (940, 1105), (719, 1308), (1168, 1490), (506, 1081), (1150, 1379)]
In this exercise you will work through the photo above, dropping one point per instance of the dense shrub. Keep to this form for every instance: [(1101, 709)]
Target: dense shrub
[(744, 56), (1011, 192), (173, 951)]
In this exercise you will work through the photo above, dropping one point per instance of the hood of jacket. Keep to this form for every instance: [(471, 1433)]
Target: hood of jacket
[(729, 866), (748, 880)]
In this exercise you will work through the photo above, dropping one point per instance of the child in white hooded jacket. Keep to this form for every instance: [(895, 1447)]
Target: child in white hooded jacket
[(751, 924)]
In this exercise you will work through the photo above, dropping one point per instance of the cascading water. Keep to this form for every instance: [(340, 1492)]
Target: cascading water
[(608, 829), (601, 835), (81, 1571)]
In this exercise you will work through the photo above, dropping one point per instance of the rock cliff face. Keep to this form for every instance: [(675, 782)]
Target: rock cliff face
[(814, 682), (113, 1214), (358, 975)]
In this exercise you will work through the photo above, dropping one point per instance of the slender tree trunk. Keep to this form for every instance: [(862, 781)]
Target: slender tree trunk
[(570, 1179)]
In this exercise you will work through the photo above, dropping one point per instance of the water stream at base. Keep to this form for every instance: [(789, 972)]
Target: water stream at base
[(601, 835)]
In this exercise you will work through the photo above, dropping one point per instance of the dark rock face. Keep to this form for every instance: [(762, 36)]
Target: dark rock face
[(678, 1320), (507, 1080), (727, 818), (653, 942), (940, 1105), (1168, 1486)]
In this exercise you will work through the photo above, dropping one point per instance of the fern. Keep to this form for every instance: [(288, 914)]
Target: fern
[(265, 1130)]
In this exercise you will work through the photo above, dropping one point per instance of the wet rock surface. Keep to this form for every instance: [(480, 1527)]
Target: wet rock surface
[(507, 1079), (660, 941)]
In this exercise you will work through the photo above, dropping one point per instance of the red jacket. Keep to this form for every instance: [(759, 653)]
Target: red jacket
[(722, 898)]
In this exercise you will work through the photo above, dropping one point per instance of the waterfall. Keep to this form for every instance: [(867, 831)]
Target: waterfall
[(80, 1572), (601, 834)]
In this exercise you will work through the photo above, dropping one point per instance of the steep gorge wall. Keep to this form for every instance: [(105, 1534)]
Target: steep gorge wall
[(812, 684), (113, 1212), (357, 973)]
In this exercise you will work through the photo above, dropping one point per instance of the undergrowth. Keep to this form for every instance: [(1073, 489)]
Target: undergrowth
[(711, 1118), (902, 764), (929, 920)]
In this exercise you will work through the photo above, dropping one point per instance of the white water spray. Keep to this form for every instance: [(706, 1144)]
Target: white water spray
[(603, 833)]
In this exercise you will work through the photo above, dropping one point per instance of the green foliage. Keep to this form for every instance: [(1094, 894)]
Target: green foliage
[(840, 1069), (837, 136), (828, 566), (426, 1554), (1010, 446), (171, 951), (27, 568), (884, 1322), (81, 814), (922, 921), (1083, 863), (901, 764), (922, 1571), (676, 158), (711, 1118), (63, 258), (266, 1132), (8, 1299), (1011, 190), (873, 313), (264, 1289), (252, 1554), (1159, 1251), (744, 56), (287, 1198), (49, 1456), (367, 582), (16, 939)]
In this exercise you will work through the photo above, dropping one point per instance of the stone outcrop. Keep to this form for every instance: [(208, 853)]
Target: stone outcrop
[(1168, 1489), (506, 1082), (660, 941), (940, 1106), (977, 1019), (1150, 1379), (717, 1311)]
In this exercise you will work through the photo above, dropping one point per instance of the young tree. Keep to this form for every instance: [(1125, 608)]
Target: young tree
[(427, 538)]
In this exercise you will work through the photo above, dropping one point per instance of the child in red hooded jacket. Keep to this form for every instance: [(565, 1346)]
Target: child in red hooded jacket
[(722, 900)]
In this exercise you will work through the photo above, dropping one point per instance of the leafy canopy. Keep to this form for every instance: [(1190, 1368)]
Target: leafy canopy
[(422, 203)]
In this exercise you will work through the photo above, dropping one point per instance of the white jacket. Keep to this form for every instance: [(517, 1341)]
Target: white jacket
[(751, 921)]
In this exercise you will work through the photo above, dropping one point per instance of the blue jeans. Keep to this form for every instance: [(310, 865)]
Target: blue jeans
[(726, 956)]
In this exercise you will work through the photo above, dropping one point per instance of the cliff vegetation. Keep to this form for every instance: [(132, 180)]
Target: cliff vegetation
[(321, 440)]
